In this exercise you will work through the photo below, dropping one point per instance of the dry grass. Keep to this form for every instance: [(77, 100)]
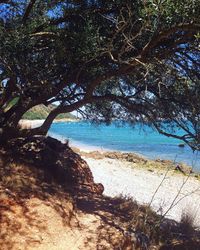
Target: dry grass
[(187, 223)]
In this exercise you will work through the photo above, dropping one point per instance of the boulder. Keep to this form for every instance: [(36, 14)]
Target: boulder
[(184, 169)]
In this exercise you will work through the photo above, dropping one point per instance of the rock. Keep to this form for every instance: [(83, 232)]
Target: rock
[(183, 169), (164, 162), (59, 160)]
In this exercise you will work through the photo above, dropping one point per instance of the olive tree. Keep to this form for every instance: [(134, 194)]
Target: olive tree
[(129, 60)]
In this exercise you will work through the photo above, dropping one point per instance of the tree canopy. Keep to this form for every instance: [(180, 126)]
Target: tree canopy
[(119, 59)]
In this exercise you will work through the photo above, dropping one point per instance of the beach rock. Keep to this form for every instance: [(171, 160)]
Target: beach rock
[(59, 160), (98, 155), (183, 169), (165, 162)]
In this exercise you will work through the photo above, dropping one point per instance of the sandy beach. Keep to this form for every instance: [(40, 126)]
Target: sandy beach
[(167, 191), (30, 123), (24, 123), (157, 184)]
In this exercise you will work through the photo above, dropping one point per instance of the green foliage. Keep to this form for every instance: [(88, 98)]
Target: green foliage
[(130, 60), (12, 102)]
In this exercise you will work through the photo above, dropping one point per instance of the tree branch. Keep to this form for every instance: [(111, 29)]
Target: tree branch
[(164, 34), (43, 129), (28, 11), (77, 12)]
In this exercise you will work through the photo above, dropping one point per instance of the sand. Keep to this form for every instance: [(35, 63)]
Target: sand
[(128, 179), (25, 123), (31, 123)]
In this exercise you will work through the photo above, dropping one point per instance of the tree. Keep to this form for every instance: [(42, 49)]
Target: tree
[(131, 60)]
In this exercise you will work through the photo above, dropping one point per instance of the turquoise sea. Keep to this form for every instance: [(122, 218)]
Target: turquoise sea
[(139, 139)]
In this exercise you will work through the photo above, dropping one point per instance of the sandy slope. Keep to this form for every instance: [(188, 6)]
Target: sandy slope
[(38, 225), (46, 218), (36, 213), (120, 177)]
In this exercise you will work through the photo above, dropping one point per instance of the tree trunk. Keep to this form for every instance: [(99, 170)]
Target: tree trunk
[(7, 133)]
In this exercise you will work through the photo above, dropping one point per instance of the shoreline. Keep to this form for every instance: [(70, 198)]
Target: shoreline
[(155, 183), (138, 160), (90, 148), (133, 175), (85, 149), (192, 164)]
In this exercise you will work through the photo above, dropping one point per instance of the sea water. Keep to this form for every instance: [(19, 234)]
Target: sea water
[(139, 139)]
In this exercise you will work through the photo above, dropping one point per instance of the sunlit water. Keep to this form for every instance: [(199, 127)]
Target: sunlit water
[(143, 140)]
